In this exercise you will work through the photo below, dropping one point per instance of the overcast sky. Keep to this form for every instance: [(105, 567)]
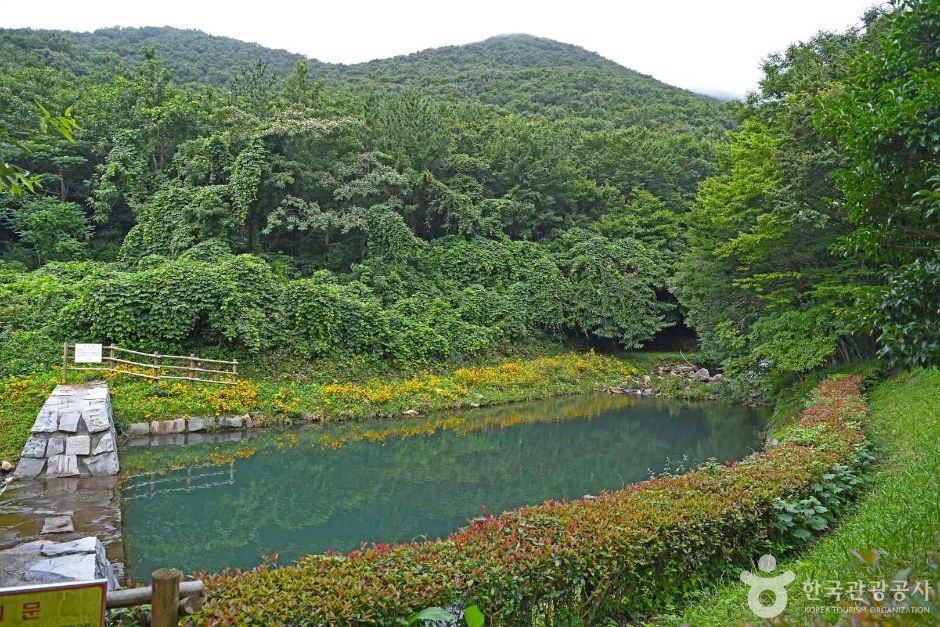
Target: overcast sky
[(708, 46)]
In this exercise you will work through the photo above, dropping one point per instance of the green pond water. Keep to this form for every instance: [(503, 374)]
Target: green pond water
[(311, 489)]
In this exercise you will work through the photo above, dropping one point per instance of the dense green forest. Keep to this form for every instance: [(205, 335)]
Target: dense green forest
[(446, 203)]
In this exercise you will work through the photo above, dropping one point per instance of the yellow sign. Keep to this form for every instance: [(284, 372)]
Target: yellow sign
[(54, 605)]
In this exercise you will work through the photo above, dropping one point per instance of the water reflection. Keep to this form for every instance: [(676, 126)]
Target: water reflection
[(311, 489)]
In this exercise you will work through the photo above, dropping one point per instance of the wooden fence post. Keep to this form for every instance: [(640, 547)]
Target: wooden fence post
[(192, 364), (156, 368), (165, 610), (65, 361)]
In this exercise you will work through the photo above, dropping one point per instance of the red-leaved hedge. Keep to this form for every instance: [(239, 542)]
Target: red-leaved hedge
[(628, 551)]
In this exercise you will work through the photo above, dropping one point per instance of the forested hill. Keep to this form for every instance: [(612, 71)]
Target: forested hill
[(521, 73), (195, 56), (526, 75)]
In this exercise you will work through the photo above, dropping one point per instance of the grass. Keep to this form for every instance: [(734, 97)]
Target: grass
[(346, 390), (899, 516)]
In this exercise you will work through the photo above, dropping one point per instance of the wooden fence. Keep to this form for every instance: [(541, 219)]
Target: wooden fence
[(156, 368), (168, 595)]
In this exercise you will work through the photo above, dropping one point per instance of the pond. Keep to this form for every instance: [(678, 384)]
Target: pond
[(315, 488)]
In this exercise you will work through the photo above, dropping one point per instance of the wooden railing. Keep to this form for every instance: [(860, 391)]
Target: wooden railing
[(195, 368), (168, 595)]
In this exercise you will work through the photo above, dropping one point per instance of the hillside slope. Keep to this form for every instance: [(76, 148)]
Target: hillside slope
[(527, 74), (196, 56), (524, 74)]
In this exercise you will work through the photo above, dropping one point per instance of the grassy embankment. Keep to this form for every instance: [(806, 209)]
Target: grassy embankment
[(337, 391), (898, 517)]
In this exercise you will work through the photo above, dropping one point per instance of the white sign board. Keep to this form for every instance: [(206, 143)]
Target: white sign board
[(88, 353)]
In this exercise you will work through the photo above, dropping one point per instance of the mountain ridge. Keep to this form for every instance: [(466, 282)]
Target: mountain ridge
[(90, 48)]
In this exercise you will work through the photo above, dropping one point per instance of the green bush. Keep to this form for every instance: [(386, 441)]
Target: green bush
[(24, 351), (456, 297), (327, 318)]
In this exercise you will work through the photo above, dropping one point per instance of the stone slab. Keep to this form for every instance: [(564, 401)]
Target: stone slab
[(102, 465), (87, 544), (46, 422), (58, 524), (27, 548), (62, 466), (29, 468), (68, 421), (98, 391), (138, 428), (55, 446), (34, 447), (96, 420), (159, 427), (78, 445), (231, 422), (82, 567), (197, 423), (105, 444)]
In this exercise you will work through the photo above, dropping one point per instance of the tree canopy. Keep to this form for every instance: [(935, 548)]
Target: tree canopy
[(447, 202)]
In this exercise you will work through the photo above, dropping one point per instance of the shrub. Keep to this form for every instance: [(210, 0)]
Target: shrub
[(625, 552), (457, 298)]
